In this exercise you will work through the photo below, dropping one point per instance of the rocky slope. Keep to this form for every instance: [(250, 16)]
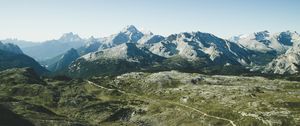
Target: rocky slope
[(265, 41), (119, 59), (21, 43), (287, 63), (64, 60), (129, 34), (197, 45)]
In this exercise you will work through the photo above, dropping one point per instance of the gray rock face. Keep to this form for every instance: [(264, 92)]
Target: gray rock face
[(265, 41), (287, 63), (127, 51), (197, 45)]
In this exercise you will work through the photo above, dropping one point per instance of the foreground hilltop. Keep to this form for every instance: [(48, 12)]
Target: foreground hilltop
[(138, 98)]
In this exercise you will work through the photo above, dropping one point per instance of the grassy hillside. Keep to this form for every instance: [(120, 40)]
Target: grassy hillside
[(161, 98)]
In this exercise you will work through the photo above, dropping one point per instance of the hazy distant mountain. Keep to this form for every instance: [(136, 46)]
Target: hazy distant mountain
[(92, 44), (129, 34), (21, 43), (63, 61), (12, 57), (52, 48), (9, 47)]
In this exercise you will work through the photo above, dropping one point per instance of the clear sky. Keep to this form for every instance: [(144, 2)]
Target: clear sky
[(39, 20)]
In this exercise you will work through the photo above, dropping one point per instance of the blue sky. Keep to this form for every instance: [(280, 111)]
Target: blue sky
[(40, 20)]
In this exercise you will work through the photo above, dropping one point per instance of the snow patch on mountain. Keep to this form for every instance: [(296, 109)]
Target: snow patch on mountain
[(196, 45), (289, 62), (127, 51), (264, 41), (150, 39)]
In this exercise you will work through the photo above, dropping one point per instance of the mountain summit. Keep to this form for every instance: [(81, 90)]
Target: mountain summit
[(70, 37), (129, 34), (130, 29)]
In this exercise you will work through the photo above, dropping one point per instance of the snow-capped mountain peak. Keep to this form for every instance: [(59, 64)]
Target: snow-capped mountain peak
[(129, 34), (265, 41), (196, 45), (70, 37), (130, 28)]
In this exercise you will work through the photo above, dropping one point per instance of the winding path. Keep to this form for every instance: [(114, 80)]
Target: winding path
[(174, 103)]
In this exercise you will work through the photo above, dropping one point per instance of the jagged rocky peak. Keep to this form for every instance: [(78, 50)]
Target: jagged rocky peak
[(129, 34), (150, 39), (199, 45), (262, 35), (70, 37), (194, 36), (289, 62), (133, 33), (265, 41), (130, 29), (284, 64), (10, 48)]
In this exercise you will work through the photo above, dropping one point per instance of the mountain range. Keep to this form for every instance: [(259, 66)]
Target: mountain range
[(134, 50), (139, 78)]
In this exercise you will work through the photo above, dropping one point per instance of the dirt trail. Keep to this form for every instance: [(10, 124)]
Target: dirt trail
[(174, 103)]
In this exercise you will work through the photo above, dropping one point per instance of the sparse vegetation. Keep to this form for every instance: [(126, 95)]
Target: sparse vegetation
[(162, 98)]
